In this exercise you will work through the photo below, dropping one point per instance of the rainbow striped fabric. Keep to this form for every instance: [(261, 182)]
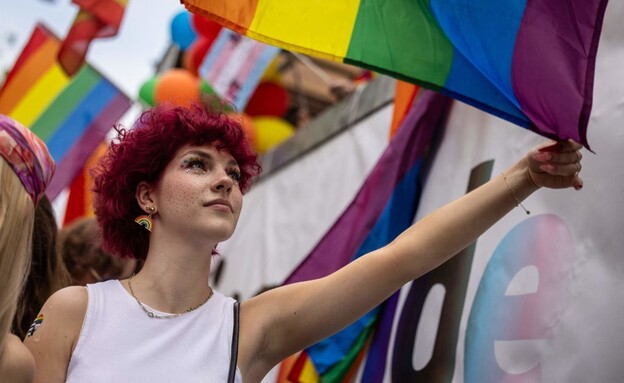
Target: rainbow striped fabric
[(95, 19), (528, 61), (72, 115), (383, 208)]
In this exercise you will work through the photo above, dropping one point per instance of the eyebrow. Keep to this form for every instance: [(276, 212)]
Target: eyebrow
[(208, 156)]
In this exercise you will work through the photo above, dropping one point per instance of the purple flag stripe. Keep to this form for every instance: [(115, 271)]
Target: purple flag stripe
[(566, 34), (375, 366), (346, 236)]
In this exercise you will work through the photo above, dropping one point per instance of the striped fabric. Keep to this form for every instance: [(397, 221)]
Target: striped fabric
[(72, 115), (383, 208), (95, 19), (80, 200), (528, 61)]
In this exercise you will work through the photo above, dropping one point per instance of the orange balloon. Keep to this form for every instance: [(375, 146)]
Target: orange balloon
[(177, 86), (248, 126)]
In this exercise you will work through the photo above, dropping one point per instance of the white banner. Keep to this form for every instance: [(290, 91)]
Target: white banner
[(538, 299), (284, 216)]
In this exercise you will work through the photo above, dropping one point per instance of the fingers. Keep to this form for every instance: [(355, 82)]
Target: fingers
[(557, 164), (558, 157), (562, 170)]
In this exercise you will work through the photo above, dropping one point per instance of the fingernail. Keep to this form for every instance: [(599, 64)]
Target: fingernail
[(547, 168), (578, 187), (542, 156)]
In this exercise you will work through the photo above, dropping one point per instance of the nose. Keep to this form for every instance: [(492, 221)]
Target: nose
[(223, 182)]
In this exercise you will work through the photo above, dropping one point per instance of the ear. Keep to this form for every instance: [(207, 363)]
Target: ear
[(144, 195)]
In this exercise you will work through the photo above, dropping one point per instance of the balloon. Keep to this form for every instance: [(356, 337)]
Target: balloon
[(270, 132), (247, 123), (269, 99), (146, 93), (177, 86), (206, 88), (198, 52), (205, 27), (182, 32)]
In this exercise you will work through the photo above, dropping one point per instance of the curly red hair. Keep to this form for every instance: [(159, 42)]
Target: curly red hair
[(143, 152)]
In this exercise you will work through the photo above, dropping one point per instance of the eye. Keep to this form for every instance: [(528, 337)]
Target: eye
[(235, 174), (195, 164)]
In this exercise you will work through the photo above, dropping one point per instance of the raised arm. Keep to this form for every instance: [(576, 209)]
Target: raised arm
[(287, 319)]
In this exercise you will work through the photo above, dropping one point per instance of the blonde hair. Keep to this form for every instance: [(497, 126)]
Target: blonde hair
[(17, 214)]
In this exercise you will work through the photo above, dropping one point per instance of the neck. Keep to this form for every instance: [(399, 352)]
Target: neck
[(175, 274)]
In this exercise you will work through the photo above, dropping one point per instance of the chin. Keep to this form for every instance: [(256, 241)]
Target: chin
[(220, 232)]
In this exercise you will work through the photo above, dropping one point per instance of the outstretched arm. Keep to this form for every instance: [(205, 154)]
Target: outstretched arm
[(292, 317)]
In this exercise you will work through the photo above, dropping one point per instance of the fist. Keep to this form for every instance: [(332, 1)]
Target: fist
[(556, 165)]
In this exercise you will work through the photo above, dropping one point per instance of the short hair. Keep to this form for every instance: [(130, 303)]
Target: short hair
[(17, 215), (142, 153)]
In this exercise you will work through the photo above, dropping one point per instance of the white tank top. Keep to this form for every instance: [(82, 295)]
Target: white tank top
[(120, 343)]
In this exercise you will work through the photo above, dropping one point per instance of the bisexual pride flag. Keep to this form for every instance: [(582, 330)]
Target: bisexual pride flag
[(530, 62)]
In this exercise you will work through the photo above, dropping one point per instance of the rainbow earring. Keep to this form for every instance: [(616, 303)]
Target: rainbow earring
[(146, 220)]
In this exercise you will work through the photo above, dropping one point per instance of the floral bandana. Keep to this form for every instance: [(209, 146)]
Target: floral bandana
[(27, 155)]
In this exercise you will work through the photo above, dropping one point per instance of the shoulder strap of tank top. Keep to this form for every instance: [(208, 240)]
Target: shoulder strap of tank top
[(234, 354)]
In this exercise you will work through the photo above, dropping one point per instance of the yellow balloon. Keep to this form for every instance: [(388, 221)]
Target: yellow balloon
[(270, 132)]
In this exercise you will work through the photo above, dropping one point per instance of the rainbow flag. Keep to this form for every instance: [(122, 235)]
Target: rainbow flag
[(530, 62), (95, 19), (72, 115), (383, 208), (80, 199)]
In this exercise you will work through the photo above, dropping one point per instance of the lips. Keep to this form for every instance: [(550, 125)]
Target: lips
[(220, 201)]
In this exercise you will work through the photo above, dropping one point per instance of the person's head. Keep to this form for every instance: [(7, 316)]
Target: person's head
[(26, 168), (47, 272), (177, 160), (80, 244)]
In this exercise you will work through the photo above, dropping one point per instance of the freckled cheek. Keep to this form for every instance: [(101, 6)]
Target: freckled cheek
[(181, 199)]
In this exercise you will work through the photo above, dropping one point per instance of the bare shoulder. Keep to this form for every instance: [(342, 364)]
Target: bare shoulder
[(17, 363), (53, 335), (73, 298), (65, 309)]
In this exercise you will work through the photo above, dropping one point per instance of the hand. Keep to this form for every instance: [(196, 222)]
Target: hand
[(556, 165)]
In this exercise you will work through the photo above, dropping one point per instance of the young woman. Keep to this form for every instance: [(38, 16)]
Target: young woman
[(183, 173), (25, 170)]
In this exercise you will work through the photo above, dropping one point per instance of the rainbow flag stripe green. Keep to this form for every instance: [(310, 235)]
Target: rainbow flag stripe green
[(526, 61), (71, 114)]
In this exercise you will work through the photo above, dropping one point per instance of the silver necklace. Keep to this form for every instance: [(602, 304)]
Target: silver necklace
[(152, 314)]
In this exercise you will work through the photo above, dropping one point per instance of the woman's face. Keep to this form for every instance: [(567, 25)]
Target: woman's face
[(198, 194)]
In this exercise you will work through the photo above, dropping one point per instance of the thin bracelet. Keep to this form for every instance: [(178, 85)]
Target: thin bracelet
[(513, 194)]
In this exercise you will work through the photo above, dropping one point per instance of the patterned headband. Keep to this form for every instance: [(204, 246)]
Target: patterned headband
[(27, 155)]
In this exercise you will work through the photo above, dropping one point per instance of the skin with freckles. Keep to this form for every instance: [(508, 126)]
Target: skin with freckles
[(198, 203), (186, 192)]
